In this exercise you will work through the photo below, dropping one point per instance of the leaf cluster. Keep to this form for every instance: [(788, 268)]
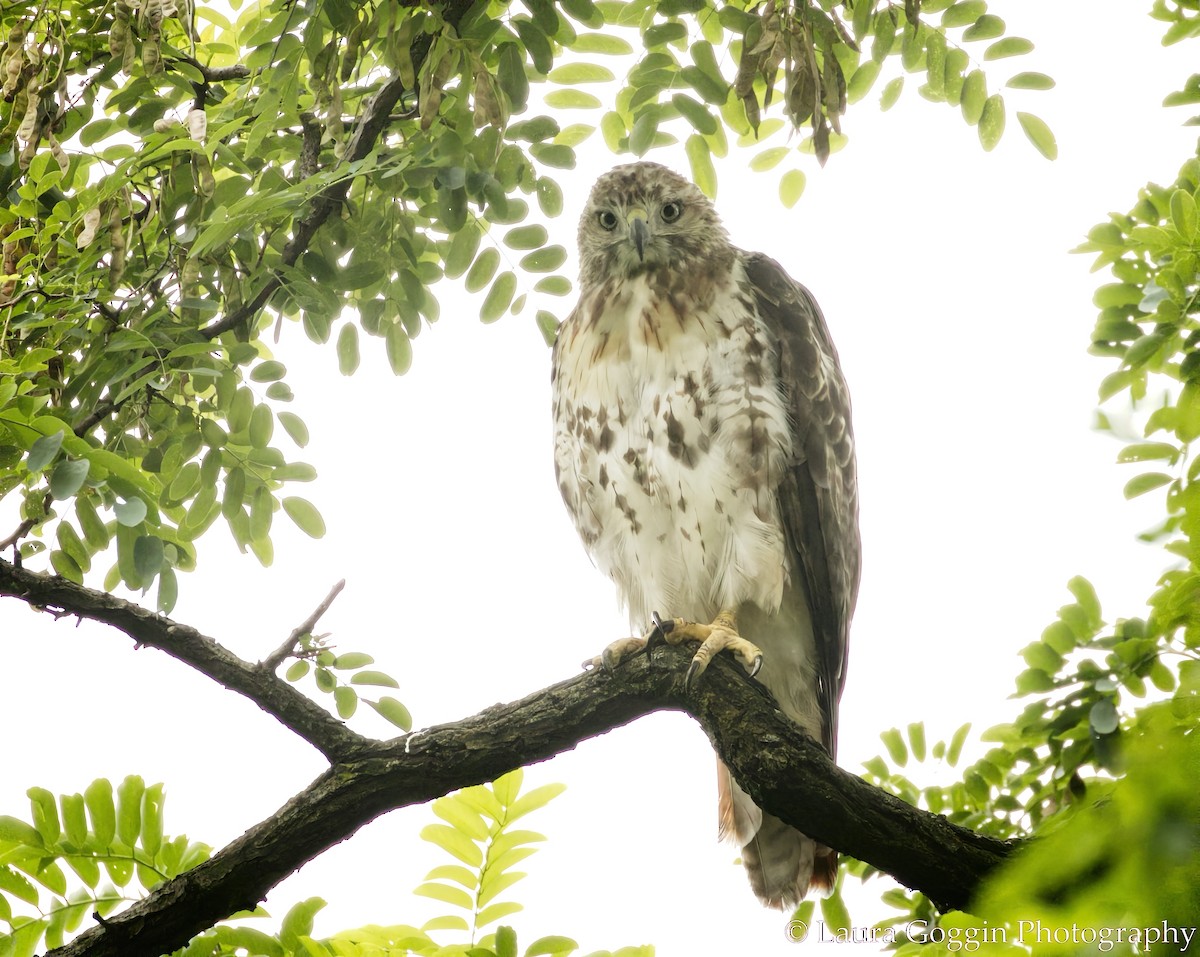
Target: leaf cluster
[(52, 876), (314, 656), (182, 180), (83, 854)]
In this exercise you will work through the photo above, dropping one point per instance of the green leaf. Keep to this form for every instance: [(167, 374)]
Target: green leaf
[(546, 259), (497, 912), (103, 812), (895, 747), (43, 451), (974, 96), (1039, 134), (483, 269), (641, 137), (768, 158), (499, 297), (347, 349), (551, 946), (986, 27), (270, 371), (1148, 482), (526, 237), (297, 670), (294, 425), (68, 476), (1030, 81), (129, 809), (537, 798), (601, 43), (350, 660), (549, 196), (298, 922), (454, 896), (452, 842), (916, 740), (991, 122), (1009, 46), (570, 74), (45, 814), (506, 942), (791, 187), (1103, 717), (376, 678), (956, 744), (704, 174), (461, 817), (399, 348), (835, 914), (393, 711), (891, 93), (345, 699), (1183, 218), (305, 515), (147, 557), (262, 426), (963, 14), (695, 113), (130, 513), (73, 818), (572, 100)]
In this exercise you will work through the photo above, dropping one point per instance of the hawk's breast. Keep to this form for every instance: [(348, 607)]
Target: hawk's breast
[(671, 438)]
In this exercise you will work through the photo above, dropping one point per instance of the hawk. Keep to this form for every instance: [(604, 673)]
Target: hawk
[(703, 448)]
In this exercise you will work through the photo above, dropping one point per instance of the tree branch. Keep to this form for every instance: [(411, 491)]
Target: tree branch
[(276, 697), (786, 772), (280, 654), (798, 783)]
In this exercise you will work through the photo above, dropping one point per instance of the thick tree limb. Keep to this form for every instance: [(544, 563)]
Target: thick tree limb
[(276, 697), (800, 784), (785, 771)]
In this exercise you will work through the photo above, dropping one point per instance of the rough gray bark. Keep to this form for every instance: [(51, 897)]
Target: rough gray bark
[(786, 772)]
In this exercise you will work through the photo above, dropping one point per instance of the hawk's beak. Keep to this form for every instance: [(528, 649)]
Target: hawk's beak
[(639, 230)]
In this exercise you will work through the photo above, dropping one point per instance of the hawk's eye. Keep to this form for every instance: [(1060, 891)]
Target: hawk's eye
[(607, 219), (671, 211)]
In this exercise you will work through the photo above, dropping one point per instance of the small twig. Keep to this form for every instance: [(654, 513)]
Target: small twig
[(272, 694), (20, 532), (280, 654)]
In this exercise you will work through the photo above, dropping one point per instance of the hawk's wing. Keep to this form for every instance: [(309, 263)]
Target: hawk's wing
[(818, 497)]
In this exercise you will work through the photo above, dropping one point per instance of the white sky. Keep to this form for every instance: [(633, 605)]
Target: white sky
[(962, 325)]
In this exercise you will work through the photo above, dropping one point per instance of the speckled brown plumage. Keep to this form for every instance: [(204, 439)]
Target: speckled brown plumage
[(703, 448)]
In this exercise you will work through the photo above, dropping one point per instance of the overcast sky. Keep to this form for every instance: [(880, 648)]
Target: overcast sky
[(962, 324)]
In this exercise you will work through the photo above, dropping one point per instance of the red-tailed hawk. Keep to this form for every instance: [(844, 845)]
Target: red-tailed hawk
[(703, 448)]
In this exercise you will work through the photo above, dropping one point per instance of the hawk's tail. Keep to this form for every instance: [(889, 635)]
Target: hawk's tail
[(782, 863)]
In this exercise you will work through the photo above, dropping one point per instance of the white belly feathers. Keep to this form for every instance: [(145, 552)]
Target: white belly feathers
[(671, 453)]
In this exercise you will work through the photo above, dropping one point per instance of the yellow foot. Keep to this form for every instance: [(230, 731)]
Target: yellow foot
[(720, 635), (615, 653)]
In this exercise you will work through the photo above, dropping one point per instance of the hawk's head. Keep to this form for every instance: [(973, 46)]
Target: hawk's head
[(643, 217)]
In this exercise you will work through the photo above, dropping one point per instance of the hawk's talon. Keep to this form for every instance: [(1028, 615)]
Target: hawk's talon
[(757, 664), (658, 634)]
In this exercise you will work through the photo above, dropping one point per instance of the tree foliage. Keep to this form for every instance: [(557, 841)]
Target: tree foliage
[(186, 181)]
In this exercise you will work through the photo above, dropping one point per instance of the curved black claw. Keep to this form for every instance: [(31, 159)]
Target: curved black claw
[(693, 672), (657, 633), (757, 664)]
